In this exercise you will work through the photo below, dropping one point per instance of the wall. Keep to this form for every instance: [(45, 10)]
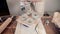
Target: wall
[(51, 6), (59, 5)]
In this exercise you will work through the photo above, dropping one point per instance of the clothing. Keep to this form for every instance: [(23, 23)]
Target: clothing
[(3, 8)]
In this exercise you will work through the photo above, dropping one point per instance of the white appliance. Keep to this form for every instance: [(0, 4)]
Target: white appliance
[(28, 21)]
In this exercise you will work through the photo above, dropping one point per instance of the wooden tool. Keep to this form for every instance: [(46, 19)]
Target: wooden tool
[(5, 23)]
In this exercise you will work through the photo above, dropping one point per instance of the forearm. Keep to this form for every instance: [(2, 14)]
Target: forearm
[(4, 25)]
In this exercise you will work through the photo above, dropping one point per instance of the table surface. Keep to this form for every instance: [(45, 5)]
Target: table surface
[(11, 28)]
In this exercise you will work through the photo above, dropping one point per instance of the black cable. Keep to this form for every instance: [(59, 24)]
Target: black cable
[(35, 28)]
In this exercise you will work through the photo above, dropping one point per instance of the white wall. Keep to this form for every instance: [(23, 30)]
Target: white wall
[(51, 6), (59, 5)]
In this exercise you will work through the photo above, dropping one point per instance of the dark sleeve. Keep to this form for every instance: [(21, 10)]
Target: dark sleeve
[(3, 8)]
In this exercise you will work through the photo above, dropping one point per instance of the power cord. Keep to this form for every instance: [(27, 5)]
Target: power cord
[(35, 28)]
